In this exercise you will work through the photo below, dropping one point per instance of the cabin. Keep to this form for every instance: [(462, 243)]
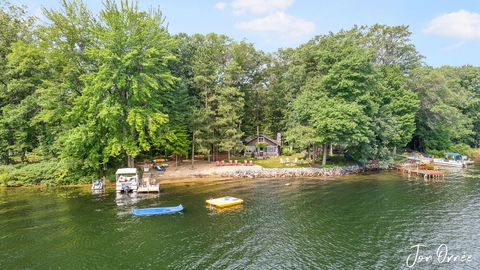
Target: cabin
[(261, 146)]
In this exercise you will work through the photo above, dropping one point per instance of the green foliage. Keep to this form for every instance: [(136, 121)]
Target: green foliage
[(261, 145), (222, 77), (177, 142), (122, 98), (83, 92), (336, 102), (15, 26), (463, 149), (25, 72), (47, 173), (446, 114), (287, 151)]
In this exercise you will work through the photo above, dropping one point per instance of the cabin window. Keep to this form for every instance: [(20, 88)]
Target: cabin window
[(271, 149), (260, 139)]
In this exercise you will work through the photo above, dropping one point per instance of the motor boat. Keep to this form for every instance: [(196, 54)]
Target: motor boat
[(453, 159), (98, 185), (127, 180)]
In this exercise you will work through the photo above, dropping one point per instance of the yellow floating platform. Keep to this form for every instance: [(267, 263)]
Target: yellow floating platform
[(224, 201)]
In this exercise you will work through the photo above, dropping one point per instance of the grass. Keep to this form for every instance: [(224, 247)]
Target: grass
[(275, 162), (336, 160), (332, 161)]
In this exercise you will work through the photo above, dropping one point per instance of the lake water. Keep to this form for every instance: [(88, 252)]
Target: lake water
[(354, 222)]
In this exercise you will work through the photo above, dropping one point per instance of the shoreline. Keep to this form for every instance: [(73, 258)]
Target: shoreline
[(219, 174)]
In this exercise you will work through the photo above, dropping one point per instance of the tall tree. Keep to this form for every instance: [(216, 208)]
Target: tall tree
[(24, 74), (120, 113), (439, 120), (15, 25)]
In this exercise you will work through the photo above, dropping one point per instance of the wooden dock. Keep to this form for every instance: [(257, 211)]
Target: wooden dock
[(426, 174), (148, 184)]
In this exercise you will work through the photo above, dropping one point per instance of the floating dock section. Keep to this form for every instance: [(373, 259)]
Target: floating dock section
[(224, 202)]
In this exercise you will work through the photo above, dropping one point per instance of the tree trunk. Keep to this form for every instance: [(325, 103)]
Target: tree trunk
[(130, 162), (257, 150), (315, 153), (176, 161), (104, 168), (394, 152), (193, 150), (331, 150), (308, 151), (324, 160), (228, 155)]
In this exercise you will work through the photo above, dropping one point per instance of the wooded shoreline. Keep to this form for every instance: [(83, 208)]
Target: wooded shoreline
[(213, 174), (84, 93)]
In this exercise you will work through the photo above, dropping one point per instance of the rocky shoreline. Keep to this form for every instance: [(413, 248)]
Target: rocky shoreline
[(259, 172)]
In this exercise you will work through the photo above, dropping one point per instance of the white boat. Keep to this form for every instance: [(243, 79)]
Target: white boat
[(98, 185), (127, 180), (453, 160)]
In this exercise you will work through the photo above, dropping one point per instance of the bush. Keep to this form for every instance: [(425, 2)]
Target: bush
[(287, 151), (51, 172), (261, 145), (462, 148), (436, 153)]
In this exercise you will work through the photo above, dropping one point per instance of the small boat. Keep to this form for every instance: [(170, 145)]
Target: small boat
[(97, 185), (157, 210), (224, 201), (160, 168), (453, 160)]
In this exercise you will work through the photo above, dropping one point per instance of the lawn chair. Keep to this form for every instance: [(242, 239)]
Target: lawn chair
[(250, 163), (222, 163), (230, 162), (235, 162), (245, 163)]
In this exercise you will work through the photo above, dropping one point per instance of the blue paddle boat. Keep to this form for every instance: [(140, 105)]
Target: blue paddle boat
[(157, 210)]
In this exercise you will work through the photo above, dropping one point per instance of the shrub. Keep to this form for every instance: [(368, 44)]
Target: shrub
[(436, 153), (287, 151), (50, 172), (261, 145), (462, 148)]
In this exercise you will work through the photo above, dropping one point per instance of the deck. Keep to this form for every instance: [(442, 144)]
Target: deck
[(426, 174), (148, 184)]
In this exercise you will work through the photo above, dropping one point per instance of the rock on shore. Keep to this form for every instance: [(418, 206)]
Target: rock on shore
[(260, 172)]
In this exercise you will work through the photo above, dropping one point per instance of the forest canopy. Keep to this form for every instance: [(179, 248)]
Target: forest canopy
[(82, 92)]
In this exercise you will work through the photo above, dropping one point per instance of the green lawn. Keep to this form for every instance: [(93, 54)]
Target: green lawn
[(275, 162), (337, 160), (332, 161)]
